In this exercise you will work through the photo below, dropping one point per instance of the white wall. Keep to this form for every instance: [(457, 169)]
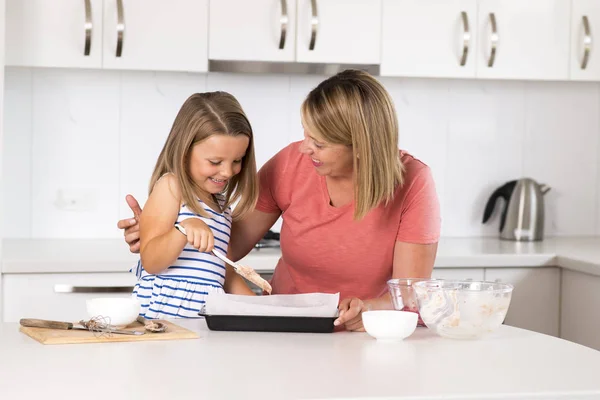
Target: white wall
[(77, 141)]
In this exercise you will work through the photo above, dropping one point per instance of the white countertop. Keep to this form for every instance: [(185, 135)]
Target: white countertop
[(112, 255), (509, 363)]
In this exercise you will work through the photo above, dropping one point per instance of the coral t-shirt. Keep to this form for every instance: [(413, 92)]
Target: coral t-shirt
[(322, 248)]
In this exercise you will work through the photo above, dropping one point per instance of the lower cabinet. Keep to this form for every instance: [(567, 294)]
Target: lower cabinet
[(580, 308), (59, 297), (535, 303)]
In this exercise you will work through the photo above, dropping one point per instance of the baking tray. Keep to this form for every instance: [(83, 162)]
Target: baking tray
[(260, 323)]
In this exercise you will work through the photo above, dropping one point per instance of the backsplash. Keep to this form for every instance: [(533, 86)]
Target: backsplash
[(77, 141)]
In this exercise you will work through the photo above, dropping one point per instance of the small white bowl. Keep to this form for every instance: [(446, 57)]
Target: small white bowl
[(121, 311), (390, 325)]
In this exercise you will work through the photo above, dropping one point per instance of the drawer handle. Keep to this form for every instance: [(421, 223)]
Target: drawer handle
[(284, 23), (314, 24), (466, 38), (587, 42), (120, 27), (493, 40), (92, 289), (88, 27)]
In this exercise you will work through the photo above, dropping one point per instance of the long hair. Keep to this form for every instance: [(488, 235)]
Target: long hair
[(352, 108), (203, 115)]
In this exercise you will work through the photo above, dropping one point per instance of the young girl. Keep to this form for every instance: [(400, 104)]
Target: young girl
[(206, 165)]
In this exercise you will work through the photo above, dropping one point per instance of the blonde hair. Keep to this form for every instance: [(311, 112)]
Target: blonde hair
[(203, 115), (352, 108)]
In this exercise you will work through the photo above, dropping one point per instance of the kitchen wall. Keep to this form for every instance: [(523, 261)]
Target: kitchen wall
[(77, 141)]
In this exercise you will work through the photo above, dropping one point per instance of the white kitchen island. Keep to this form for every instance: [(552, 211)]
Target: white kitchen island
[(510, 363)]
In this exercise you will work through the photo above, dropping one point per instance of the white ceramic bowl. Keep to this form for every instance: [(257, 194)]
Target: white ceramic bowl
[(390, 325), (121, 311)]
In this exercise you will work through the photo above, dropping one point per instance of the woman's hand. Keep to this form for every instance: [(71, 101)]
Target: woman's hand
[(351, 314), (132, 225), (199, 235)]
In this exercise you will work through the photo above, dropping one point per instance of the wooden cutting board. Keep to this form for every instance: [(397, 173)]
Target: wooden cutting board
[(75, 336)]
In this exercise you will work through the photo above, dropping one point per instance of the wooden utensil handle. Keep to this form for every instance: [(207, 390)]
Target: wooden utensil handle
[(42, 323)]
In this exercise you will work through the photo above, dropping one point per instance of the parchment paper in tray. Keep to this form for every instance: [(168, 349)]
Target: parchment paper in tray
[(284, 305)]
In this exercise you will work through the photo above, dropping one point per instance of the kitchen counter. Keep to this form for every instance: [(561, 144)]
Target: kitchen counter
[(509, 363), (112, 255)]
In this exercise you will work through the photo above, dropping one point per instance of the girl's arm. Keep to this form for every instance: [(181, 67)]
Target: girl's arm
[(160, 242)]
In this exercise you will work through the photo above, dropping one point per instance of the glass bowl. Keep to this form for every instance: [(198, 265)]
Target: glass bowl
[(462, 309), (403, 295)]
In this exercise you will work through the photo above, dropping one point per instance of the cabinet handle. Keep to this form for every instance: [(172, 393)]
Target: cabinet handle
[(587, 42), (314, 24), (120, 27), (283, 20), (466, 38), (88, 27), (92, 289), (493, 40)]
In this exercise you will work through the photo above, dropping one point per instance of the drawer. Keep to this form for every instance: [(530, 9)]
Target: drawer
[(59, 296)]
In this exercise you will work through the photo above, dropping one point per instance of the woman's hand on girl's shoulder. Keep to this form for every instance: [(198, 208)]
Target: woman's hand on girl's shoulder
[(199, 235), (350, 314)]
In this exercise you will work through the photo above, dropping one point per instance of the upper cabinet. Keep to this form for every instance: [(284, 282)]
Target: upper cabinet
[(120, 34), (523, 39), (585, 21), (156, 35), (266, 30), (498, 39), (428, 38), (58, 33), (308, 31), (477, 39), (339, 31)]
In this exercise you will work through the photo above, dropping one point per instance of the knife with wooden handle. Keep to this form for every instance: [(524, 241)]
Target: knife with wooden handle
[(42, 323)]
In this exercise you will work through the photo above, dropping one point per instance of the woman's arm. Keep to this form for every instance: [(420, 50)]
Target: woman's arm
[(410, 261), (160, 242), (246, 232)]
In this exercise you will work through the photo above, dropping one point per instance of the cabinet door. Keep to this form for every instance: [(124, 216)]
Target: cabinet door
[(531, 39), (428, 38), (579, 317), (266, 30), (535, 301), (585, 24), (58, 33), (56, 297), (156, 35), (344, 31)]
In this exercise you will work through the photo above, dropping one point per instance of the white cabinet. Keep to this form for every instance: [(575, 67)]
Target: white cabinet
[(59, 296), (266, 30), (523, 39), (339, 31), (580, 305), (474, 274), (535, 302), (58, 33), (429, 38), (115, 34), (156, 35), (585, 27)]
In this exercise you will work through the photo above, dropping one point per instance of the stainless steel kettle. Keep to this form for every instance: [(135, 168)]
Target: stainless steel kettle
[(523, 215)]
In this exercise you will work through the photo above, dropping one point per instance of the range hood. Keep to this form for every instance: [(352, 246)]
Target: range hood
[(265, 67)]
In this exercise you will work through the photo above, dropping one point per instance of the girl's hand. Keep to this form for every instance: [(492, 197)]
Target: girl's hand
[(351, 314), (199, 235)]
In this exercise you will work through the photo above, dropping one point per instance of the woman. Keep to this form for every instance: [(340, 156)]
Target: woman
[(356, 210)]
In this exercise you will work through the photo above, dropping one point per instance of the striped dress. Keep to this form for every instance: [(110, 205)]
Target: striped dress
[(180, 290)]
